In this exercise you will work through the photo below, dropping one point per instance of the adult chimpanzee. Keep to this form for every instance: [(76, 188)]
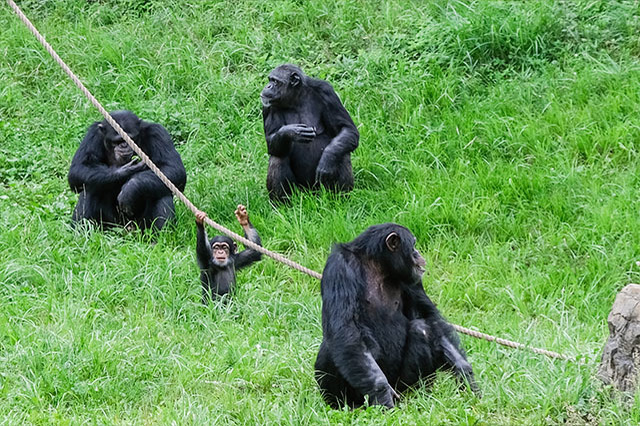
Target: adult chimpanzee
[(381, 332), (114, 188), (217, 258), (310, 135)]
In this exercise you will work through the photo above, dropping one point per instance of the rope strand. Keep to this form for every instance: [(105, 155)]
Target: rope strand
[(208, 221)]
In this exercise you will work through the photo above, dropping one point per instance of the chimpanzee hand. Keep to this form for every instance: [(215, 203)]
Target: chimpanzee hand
[(327, 170), (384, 396), (200, 217), (131, 168), (298, 132), (242, 215)]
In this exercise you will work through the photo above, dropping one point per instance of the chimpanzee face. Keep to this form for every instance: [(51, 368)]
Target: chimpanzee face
[(118, 151), (284, 82), (222, 248), (121, 151)]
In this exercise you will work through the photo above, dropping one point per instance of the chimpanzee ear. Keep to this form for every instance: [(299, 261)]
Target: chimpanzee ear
[(294, 79), (235, 247), (101, 128), (393, 241)]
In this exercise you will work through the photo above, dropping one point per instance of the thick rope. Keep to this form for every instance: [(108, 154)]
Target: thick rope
[(210, 222), (509, 343)]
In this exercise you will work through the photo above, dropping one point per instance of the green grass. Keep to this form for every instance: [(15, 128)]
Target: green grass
[(504, 134)]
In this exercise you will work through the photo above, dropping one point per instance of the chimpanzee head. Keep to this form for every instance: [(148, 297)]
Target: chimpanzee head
[(284, 86), (118, 151), (222, 248), (394, 248)]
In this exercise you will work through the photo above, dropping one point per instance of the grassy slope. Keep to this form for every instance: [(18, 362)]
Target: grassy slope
[(503, 134)]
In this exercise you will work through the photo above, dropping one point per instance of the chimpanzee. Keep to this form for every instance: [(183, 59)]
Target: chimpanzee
[(114, 188), (310, 135), (218, 259), (381, 332)]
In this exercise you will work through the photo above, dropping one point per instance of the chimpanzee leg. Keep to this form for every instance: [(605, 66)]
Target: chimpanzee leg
[(100, 209), (419, 360), (336, 391), (280, 178), (156, 213), (345, 179)]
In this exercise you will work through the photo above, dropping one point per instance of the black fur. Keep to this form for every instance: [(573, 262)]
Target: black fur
[(309, 133), (219, 280), (114, 189), (381, 332)]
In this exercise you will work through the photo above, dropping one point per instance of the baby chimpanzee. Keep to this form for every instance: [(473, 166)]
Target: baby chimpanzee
[(217, 258)]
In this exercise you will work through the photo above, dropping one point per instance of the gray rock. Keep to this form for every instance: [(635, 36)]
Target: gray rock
[(620, 362)]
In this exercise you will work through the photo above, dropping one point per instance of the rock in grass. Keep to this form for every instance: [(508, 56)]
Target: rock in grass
[(620, 362)]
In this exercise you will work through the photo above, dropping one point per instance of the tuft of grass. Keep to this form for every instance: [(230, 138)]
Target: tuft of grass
[(503, 134)]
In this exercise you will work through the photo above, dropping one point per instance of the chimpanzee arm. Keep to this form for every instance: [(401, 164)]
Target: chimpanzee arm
[(457, 361), (156, 143), (418, 305), (249, 256), (203, 250), (278, 143), (340, 288), (89, 167), (336, 117)]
